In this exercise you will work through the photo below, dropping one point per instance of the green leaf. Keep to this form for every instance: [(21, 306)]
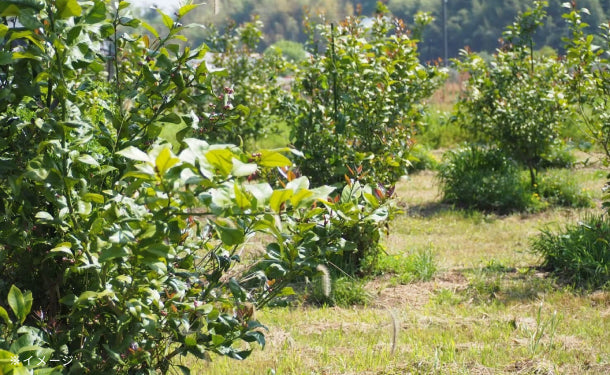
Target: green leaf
[(230, 236), (68, 8), (167, 20), (64, 248), (165, 160), (221, 159), (278, 197), (113, 253), (114, 355), (88, 159), (243, 169), (238, 292), (191, 340), (185, 9), (300, 196), (97, 13), (17, 302), (5, 317), (92, 197), (273, 159), (150, 29), (44, 216), (22, 370), (134, 153), (241, 199), (5, 57)]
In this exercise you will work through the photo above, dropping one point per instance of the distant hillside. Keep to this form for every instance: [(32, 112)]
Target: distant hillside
[(474, 23)]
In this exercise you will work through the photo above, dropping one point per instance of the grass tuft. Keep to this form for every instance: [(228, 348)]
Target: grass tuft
[(580, 253)]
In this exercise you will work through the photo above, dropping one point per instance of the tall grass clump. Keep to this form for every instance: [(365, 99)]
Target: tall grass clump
[(559, 188), (579, 254), (417, 266), (484, 179)]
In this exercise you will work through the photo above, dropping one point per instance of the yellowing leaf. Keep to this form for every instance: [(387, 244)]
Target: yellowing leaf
[(167, 20), (278, 197), (186, 8), (273, 159), (68, 8), (221, 159), (165, 160)]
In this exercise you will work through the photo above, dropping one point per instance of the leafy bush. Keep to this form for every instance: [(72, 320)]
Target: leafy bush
[(127, 232), (517, 101), (355, 104), (578, 254), (421, 159), (588, 84), (484, 179), (25, 349), (348, 292), (439, 131), (560, 155), (558, 188), (292, 51), (244, 106)]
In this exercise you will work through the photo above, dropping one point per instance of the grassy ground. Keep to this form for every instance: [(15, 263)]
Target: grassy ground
[(487, 310)]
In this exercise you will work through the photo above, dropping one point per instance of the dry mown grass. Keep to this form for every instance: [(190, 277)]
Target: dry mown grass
[(487, 311)]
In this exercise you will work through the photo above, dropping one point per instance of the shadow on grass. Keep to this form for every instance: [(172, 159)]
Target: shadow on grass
[(430, 210)]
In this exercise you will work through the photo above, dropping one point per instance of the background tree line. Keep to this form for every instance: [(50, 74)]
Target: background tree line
[(477, 24)]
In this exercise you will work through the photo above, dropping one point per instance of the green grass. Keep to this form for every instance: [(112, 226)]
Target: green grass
[(486, 309)]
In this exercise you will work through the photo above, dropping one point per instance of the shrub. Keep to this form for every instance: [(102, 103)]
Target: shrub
[(558, 188), (517, 101), (560, 155), (243, 106), (355, 103), (579, 253), (127, 233), (292, 51), (421, 159), (484, 179)]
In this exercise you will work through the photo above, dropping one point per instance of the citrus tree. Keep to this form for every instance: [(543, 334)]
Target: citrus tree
[(518, 100), (358, 98), (128, 233)]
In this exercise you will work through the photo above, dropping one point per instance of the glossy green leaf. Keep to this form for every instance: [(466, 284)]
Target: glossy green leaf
[(68, 8), (88, 159), (167, 20), (228, 235), (165, 160), (183, 10), (17, 302), (4, 316), (134, 153), (93, 197), (273, 159), (150, 28), (243, 169), (278, 197), (222, 159)]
